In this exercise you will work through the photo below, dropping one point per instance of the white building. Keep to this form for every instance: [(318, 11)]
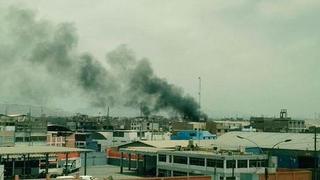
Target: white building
[(221, 165), (144, 126), (156, 136)]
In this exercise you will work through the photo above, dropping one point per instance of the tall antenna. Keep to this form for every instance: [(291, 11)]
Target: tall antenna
[(199, 98), (6, 109), (108, 112)]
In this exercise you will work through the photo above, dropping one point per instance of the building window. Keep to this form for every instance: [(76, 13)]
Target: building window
[(230, 178), (256, 163), (178, 173), (164, 173), (197, 161), (118, 134), (180, 159), (19, 139), (231, 163), (142, 134), (162, 158), (215, 163), (242, 163)]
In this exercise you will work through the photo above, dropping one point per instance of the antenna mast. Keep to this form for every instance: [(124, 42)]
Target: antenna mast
[(199, 98)]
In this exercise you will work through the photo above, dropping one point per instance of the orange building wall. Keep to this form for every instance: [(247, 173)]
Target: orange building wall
[(289, 175), (70, 155), (114, 153)]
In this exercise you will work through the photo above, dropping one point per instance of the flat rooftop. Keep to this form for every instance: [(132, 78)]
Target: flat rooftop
[(20, 150), (196, 153)]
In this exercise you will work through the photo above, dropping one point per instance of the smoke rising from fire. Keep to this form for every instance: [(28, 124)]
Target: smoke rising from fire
[(40, 64)]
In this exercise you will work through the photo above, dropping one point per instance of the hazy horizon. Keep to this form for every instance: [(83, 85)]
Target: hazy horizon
[(254, 57)]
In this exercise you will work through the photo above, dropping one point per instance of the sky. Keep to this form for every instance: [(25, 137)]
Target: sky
[(254, 57)]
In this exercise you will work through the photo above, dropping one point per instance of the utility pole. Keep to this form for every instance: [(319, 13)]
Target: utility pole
[(29, 125), (199, 98), (315, 175), (6, 110)]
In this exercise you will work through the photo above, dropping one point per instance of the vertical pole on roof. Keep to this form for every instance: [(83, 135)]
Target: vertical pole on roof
[(66, 168), (13, 166), (121, 163), (47, 163), (144, 164), (138, 159), (129, 163), (28, 163), (157, 160), (85, 163), (233, 166), (24, 165), (157, 169), (315, 154)]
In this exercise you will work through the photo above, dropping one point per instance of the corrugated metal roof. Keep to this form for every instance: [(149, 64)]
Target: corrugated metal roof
[(174, 143), (38, 150), (154, 151), (300, 141)]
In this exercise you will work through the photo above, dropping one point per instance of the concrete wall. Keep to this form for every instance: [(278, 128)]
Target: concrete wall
[(94, 159), (176, 178)]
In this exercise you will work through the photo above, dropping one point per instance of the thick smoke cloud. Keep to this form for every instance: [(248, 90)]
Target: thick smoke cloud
[(40, 64)]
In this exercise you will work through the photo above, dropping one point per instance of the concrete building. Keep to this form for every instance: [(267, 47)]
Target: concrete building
[(27, 130), (144, 126), (114, 155), (224, 126), (178, 126), (7, 136), (192, 135), (156, 136), (282, 124), (298, 153), (221, 165), (108, 139)]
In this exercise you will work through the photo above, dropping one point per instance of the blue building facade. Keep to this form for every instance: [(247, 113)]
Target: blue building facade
[(193, 135)]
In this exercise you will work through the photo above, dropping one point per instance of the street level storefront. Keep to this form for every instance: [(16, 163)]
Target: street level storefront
[(27, 161)]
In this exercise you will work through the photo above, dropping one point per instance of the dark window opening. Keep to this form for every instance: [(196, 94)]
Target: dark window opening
[(231, 163), (242, 164), (197, 161), (180, 159), (162, 158)]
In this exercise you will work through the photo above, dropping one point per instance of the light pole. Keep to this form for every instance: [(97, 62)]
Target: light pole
[(268, 154), (261, 151), (287, 140)]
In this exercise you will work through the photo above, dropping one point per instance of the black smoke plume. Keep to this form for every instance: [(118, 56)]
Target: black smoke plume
[(40, 64)]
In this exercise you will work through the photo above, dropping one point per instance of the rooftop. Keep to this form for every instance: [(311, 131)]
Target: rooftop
[(300, 141), (173, 143), (197, 153), (20, 150)]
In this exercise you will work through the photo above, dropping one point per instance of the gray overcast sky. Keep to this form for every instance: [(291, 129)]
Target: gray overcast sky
[(254, 57)]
